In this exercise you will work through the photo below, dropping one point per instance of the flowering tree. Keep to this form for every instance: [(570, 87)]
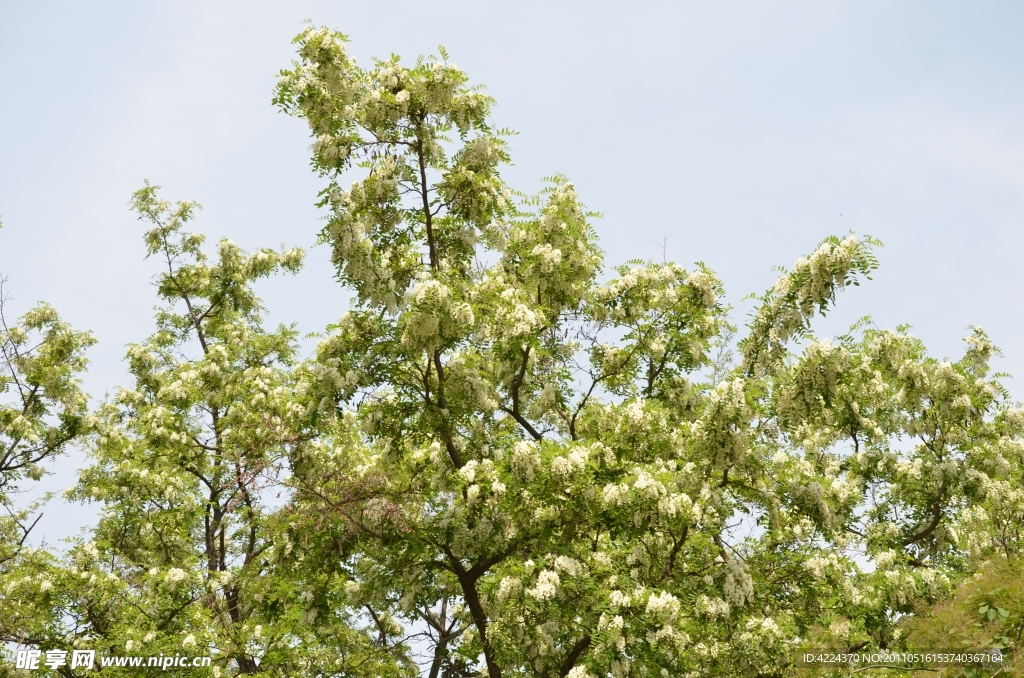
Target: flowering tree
[(503, 460), (187, 467), (548, 472), (42, 410), (43, 407)]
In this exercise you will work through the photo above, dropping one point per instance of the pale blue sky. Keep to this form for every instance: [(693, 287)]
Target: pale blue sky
[(745, 130)]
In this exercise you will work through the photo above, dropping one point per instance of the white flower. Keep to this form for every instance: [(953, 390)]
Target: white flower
[(674, 504), (619, 599), (635, 412), (620, 667), (376, 510), (738, 586), (647, 485), (702, 283), (517, 322), (546, 587), (468, 472), (664, 605), (614, 494), (189, 640), (525, 459), (508, 587), (817, 566), (840, 628), (713, 607), (568, 566), (550, 257), (175, 575), (568, 465), (885, 559)]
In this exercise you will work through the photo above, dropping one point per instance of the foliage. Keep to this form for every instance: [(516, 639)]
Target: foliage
[(42, 411), (43, 408), (187, 465), (987, 611), (506, 459), (555, 475)]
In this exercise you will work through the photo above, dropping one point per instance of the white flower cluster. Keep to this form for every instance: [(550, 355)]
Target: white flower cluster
[(902, 586), (798, 296), (704, 284), (822, 566), (547, 586), (574, 462), (363, 249), (617, 599), (731, 395), (550, 257), (642, 289), (509, 587), (568, 566), (634, 412), (664, 606), (620, 667), (376, 510), (615, 494), (175, 576), (554, 253), (713, 607), (434, 316), (827, 267), (647, 486), (885, 559), (738, 586), (840, 628), (760, 632), (509, 315), (525, 460), (468, 381), (675, 504)]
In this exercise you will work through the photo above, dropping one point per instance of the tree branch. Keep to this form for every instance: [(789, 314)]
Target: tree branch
[(578, 649)]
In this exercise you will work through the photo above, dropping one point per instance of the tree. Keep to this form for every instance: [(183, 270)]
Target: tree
[(42, 411), (561, 475), (502, 460), (187, 467)]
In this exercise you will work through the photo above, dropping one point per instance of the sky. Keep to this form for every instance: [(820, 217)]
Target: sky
[(734, 133)]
